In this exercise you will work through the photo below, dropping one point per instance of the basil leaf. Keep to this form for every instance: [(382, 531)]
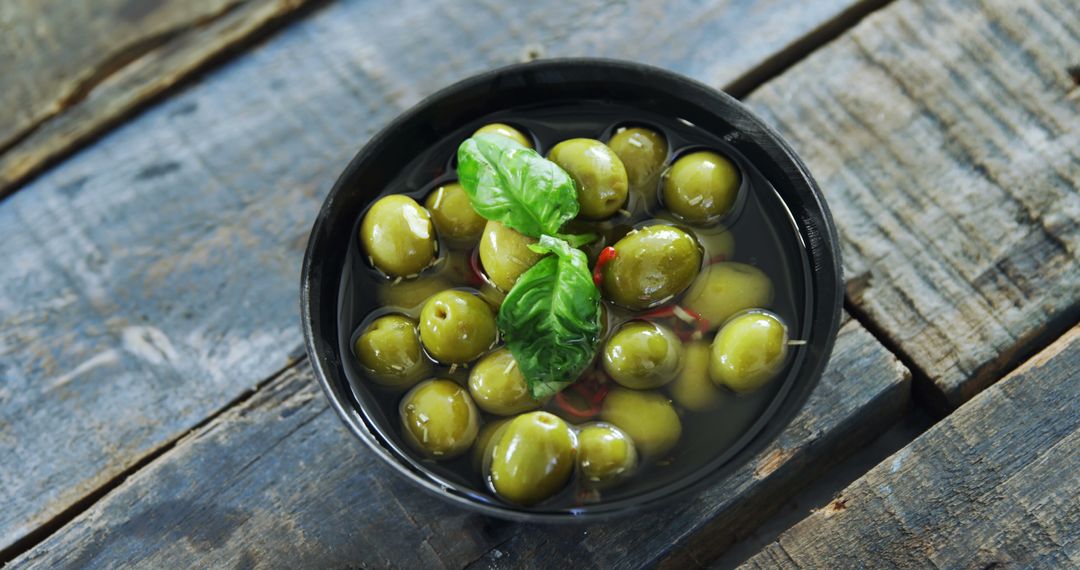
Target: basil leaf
[(578, 240), (551, 318), (515, 186)]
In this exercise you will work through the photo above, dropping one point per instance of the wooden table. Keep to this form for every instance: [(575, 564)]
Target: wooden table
[(163, 163)]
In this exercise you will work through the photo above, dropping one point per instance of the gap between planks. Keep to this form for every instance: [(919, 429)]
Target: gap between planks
[(58, 521), (32, 166), (826, 491), (740, 87)]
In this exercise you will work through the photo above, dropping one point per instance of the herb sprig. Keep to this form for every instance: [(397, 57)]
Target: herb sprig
[(551, 317)]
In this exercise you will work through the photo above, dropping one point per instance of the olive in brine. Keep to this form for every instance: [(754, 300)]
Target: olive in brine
[(642, 152), (651, 266), (389, 350), (701, 187), (410, 293), (505, 254), (498, 386), (726, 288), (533, 458), (693, 389), (598, 174), (642, 355), (398, 236), (606, 454), (485, 443), (506, 131), (439, 419), (456, 327), (647, 417), (454, 217), (749, 351)]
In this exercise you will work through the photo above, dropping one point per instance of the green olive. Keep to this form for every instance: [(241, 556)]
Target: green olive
[(598, 174), (718, 242), (651, 266), (701, 187), (642, 152), (493, 295), (693, 389), (454, 216), (748, 351), (456, 326), (398, 236), (642, 355), (498, 386), (411, 293), (506, 131), (605, 454), (726, 288), (485, 443), (647, 417), (439, 418), (605, 318), (505, 254), (389, 350), (533, 458)]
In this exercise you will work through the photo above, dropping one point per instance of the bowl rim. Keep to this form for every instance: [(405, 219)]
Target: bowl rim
[(782, 408)]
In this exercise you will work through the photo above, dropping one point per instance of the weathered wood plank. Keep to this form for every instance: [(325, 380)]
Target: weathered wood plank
[(151, 278), (279, 479), (72, 68), (994, 485), (945, 136)]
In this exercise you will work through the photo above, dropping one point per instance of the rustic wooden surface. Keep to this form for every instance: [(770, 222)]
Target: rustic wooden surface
[(994, 485), (945, 137), (150, 280), (72, 68), (279, 479)]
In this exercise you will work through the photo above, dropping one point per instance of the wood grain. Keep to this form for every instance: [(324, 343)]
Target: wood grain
[(945, 137), (71, 69), (279, 479), (151, 279), (994, 485)]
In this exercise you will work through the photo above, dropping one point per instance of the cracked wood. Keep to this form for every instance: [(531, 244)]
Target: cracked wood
[(279, 478), (151, 279), (994, 485), (945, 135), (71, 69)]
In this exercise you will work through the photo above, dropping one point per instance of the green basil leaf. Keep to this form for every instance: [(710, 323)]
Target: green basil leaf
[(551, 318), (515, 186), (578, 240)]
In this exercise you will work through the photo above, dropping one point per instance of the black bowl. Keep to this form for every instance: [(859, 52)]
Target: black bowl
[(384, 157)]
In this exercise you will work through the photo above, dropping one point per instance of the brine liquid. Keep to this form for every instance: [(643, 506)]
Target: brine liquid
[(764, 236)]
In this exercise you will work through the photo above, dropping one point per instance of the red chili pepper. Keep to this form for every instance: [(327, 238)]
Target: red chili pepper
[(605, 257), (477, 275), (593, 388), (660, 313), (688, 329), (573, 410)]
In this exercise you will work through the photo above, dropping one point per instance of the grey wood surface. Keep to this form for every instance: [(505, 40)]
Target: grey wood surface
[(994, 485), (72, 68), (945, 137), (150, 280), (278, 481)]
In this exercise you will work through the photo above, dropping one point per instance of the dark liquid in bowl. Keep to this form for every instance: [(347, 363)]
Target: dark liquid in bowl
[(764, 236)]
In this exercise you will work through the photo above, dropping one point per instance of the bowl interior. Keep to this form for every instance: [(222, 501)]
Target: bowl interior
[(386, 156)]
